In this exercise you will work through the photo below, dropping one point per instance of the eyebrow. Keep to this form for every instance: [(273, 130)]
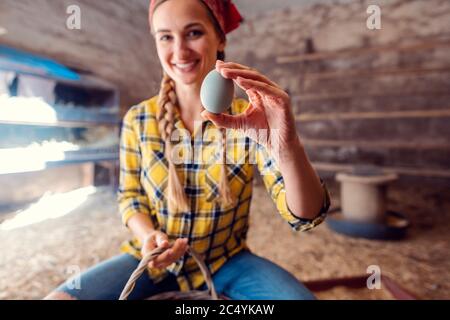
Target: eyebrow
[(185, 27)]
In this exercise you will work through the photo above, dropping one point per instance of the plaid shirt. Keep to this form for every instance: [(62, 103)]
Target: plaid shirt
[(215, 231)]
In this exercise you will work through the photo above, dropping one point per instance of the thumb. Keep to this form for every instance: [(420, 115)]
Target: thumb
[(162, 240), (223, 120)]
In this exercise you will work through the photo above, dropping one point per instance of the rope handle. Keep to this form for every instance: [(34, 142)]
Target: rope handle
[(129, 286)]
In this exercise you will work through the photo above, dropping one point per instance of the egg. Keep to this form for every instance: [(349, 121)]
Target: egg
[(217, 92)]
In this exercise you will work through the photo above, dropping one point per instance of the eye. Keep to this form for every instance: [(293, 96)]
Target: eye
[(165, 37), (195, 33)]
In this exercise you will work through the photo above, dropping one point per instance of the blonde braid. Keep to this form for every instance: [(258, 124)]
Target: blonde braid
[(167, 101), (226, 196), (177, 199)]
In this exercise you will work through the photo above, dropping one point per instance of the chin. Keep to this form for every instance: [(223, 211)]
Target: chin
[(185, 79)]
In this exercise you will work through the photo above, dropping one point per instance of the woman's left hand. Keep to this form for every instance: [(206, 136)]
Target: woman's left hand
[(269, 109)]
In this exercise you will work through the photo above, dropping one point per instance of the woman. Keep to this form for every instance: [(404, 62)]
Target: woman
[(202, 204)]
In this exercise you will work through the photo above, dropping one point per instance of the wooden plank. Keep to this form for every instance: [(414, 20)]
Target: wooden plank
[(364, 94), (377, 144), (376, 129), (395, 289), (429, 81), (372, 115), (435, 159), (374, 73), (388, 103), (419, 172), (359, 51)]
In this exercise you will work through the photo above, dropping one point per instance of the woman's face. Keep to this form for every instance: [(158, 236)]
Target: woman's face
[(186, 40)]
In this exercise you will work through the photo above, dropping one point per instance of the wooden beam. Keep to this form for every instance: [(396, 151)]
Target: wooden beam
[(429, 173), (377, 144), (364, 94), (360, 51), (373, 73), (306, 117)]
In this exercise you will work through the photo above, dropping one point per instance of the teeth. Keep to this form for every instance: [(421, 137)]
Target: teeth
[(184, 65)]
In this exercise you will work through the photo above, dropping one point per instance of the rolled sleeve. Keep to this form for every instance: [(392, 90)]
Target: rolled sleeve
[(131, 196), (274, 183), (302, 224)]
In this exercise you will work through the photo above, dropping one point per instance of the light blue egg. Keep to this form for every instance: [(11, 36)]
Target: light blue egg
[(216, 92)]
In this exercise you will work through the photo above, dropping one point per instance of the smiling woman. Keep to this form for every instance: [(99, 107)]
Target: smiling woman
[(187, 48), (204, 206)]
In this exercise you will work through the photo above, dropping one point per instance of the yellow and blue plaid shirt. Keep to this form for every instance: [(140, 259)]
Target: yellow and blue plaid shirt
[(215, 231)]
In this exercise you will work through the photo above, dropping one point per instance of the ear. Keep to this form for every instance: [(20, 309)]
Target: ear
[(222, 45)]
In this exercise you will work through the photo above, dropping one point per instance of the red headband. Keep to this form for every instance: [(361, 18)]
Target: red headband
[(224, 11)]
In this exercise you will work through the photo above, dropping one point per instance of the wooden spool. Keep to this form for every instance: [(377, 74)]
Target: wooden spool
[(363, 194)]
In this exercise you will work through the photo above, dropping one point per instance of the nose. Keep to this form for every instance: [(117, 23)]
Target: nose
[(181, 50)]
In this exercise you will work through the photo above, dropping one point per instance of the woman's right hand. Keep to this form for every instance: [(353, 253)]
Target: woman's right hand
[(158, 239)]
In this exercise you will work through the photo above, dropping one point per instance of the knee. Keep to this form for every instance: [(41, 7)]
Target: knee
[(59, 295)]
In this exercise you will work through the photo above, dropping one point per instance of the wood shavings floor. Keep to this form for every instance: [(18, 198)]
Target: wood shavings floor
[(36, 258)]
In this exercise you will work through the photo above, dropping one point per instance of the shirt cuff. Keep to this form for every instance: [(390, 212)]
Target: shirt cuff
[(302, 224), (130, 207)]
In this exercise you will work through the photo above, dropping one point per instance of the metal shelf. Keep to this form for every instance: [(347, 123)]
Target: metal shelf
[(70, 157), (63, 123), (30, 111)]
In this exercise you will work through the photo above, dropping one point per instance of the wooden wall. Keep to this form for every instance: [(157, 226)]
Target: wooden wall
[(360, 96)]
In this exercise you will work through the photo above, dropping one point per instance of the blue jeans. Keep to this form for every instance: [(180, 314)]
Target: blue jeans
[(245, 276)]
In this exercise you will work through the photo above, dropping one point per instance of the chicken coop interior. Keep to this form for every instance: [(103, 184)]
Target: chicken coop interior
[(371, 107)]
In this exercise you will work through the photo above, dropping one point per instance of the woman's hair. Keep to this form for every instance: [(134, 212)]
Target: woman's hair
[(167, 101)]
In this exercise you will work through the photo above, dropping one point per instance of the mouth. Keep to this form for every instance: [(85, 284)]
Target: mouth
[(186, 66)]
